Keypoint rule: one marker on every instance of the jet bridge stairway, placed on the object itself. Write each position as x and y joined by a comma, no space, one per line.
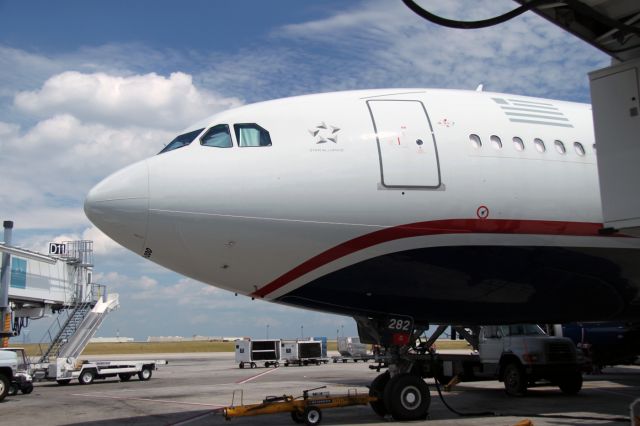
70,337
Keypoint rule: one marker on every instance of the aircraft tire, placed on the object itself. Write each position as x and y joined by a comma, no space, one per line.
377,389
407,397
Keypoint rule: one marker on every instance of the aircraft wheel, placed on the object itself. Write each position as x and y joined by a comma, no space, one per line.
571,384
377,389
312,415
515,380
407,397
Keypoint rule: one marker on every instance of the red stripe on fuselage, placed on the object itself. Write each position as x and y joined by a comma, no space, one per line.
436,227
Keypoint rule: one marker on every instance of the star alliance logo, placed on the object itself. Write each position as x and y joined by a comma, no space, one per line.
325,133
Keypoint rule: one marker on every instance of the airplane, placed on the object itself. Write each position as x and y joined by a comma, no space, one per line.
398,207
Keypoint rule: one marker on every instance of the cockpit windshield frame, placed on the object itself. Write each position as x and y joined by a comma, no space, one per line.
182,140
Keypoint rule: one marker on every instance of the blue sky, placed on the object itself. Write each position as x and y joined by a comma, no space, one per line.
88,87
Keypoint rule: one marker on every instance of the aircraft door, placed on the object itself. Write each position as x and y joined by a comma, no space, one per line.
406,144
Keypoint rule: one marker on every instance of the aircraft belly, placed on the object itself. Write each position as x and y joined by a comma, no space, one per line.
468,284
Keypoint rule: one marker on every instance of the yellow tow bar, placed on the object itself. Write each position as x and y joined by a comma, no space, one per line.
303,409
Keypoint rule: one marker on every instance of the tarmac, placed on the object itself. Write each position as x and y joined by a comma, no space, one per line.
192,386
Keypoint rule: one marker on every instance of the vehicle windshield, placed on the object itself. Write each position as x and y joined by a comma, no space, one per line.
182,140
521,330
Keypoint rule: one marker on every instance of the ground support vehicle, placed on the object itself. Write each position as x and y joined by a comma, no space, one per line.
520,356
22,379
518,359
344,359
8,369
296,352
304,409
251,352
64,370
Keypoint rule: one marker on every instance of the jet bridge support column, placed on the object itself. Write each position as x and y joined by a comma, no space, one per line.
5,308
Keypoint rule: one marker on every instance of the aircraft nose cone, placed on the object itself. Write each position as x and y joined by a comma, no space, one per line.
119,206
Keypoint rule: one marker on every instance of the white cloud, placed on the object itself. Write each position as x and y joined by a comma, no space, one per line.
389,45
140,100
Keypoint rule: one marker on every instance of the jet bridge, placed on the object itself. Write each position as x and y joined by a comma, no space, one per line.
59,283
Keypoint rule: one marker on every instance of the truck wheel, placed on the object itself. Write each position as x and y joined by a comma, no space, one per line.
86,377
63,382
241,365
515,381
27,389
297,416
406,397
124,377
377,389
312,415
570,384
276,364
4,386
13,390
145,374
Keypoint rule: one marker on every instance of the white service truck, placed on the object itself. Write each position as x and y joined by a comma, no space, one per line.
520,356
64,370
22,379
8,370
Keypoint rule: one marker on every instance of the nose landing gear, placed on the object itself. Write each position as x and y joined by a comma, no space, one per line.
401,391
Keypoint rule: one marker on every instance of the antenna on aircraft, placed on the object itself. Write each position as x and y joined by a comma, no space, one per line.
480,87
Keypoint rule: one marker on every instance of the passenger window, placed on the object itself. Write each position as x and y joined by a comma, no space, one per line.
182,140
539,145
217,136
579,148
496,142
518,144
475,141
560,147
249,135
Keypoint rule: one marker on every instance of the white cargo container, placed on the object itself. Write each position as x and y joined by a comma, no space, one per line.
301,352
253,351
351,349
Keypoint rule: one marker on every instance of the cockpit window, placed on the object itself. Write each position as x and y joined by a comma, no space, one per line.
251,135
182,140
217,136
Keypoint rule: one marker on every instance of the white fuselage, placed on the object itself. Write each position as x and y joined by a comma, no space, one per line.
354,181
